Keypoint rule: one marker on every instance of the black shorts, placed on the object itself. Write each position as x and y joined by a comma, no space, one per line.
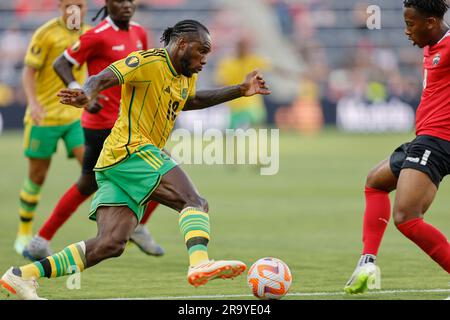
427,154
93,141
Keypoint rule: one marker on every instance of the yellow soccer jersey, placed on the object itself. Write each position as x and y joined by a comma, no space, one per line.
48,42
153,94
233,70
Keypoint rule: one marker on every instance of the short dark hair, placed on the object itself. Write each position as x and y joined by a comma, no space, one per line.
182,27
431,8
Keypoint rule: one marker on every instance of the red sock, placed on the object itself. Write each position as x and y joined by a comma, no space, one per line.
429,239
67,205
148,212
376,218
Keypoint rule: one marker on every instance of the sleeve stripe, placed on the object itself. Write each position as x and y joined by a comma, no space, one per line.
141,65
70,58
117,73
121,76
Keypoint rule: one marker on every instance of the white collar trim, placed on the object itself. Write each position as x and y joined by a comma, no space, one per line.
445,36
111,23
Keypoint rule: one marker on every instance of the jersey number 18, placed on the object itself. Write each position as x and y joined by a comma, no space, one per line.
171,111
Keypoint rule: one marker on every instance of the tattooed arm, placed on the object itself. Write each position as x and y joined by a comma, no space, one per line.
80,98
253,84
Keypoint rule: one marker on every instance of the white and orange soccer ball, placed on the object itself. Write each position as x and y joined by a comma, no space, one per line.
269,278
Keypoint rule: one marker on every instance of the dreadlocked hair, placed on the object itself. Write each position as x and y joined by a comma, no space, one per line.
182,27
431,8
103,9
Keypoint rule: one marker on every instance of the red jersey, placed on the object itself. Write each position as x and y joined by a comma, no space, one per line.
99,47
433,113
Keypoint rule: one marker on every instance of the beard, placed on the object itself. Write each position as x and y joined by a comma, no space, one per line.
185,63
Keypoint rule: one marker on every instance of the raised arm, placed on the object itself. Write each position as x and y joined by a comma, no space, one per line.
253,84
80,98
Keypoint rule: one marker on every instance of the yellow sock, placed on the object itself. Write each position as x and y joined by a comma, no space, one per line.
68,261
29,199
194,225
25,228
30,271
198,256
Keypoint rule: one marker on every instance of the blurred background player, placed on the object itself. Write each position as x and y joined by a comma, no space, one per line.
46,119
113,39
415,169
248,111
156,86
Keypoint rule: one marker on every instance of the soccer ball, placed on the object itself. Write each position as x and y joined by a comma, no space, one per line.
269,278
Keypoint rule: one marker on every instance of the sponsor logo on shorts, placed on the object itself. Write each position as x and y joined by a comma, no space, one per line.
425,157
411,159
164,156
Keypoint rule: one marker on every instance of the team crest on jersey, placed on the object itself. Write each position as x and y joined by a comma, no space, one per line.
76,46
35,50
436,59
184,93
132,61
139,45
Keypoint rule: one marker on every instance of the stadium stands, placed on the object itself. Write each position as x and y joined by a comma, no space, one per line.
322,33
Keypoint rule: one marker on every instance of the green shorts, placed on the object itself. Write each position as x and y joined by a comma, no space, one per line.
41,141
247,117
131,182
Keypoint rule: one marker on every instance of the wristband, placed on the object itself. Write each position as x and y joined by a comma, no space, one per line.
74,85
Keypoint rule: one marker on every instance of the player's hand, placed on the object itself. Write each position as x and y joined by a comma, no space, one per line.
37,113
254,83
94,106
74,97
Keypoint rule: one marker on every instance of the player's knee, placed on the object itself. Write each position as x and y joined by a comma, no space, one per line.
38,176
372,179
377,180
197,202
403,214
111,247
399,217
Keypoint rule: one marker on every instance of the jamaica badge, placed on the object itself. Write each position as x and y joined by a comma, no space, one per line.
184,93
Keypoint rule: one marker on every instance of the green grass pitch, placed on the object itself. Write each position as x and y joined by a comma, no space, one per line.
309,215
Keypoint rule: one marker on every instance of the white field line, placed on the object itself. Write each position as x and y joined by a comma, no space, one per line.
295,294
